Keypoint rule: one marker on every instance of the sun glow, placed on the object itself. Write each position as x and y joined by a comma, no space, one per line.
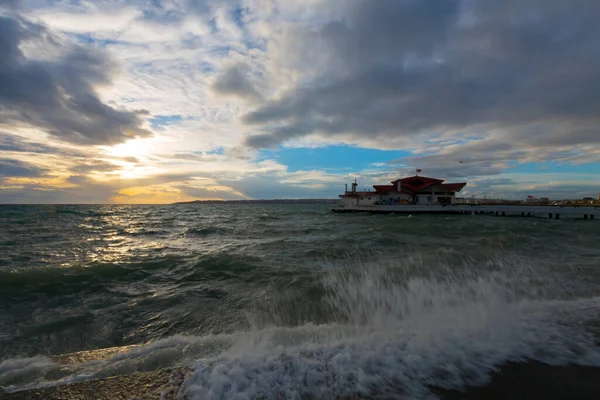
134,158
131,148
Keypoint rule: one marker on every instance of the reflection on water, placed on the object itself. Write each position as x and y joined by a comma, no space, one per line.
80,277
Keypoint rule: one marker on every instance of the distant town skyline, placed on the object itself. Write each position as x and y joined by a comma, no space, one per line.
180,100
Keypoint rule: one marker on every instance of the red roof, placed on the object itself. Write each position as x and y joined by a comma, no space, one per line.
384,188
417,183
454,187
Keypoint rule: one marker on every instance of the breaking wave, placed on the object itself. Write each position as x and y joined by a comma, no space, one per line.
397,337
387,333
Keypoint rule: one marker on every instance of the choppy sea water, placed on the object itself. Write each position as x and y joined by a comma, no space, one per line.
292,301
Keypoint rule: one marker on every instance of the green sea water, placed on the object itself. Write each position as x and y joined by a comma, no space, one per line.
260,300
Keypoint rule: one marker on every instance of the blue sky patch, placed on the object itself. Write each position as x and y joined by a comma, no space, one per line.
89,39
238,16
332,158
218,150
160,121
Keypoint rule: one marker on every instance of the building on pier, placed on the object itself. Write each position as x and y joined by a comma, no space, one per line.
420,190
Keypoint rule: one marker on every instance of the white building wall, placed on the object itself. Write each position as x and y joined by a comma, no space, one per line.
349,201
369,199
423,199
395,197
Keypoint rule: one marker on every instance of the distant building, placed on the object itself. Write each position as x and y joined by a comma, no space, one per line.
412,190
534,200
588,200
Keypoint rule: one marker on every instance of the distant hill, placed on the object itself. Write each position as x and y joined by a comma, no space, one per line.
262,201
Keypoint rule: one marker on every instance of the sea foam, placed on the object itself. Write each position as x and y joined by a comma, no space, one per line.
395,337
390,333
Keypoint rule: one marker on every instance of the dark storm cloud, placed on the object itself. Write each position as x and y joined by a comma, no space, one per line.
402,67
33,193
236,81
16,168
58,96
16,144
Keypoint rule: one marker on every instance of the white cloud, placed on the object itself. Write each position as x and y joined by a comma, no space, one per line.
293,54
92,21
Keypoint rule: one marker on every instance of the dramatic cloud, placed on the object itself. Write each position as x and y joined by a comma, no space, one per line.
399,68
11,143
236,81
18,169
58,96
293,98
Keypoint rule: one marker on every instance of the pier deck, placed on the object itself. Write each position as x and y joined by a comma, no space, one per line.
552,212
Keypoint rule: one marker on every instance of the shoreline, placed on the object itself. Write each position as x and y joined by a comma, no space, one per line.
159,384
530,380
261,201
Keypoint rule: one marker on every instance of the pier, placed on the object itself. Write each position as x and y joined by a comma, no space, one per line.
549,212
424,195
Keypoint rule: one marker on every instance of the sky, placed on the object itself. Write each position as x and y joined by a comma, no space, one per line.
126,101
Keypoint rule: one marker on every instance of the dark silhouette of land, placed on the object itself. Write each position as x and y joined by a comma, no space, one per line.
262,201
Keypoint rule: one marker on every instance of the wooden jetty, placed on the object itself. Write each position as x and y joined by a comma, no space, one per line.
551,212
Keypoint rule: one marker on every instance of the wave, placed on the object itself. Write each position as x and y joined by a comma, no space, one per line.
206,231
395,336
58,279
268,217
143,232
389,333
43,371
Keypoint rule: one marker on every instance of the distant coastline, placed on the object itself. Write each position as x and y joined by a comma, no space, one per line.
262,201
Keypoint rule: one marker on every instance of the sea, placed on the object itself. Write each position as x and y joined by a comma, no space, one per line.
292,301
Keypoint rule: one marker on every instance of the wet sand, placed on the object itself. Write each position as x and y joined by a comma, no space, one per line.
89,355
531,381
162,384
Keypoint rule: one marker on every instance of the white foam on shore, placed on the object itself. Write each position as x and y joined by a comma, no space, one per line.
392,333
397,339
40,371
